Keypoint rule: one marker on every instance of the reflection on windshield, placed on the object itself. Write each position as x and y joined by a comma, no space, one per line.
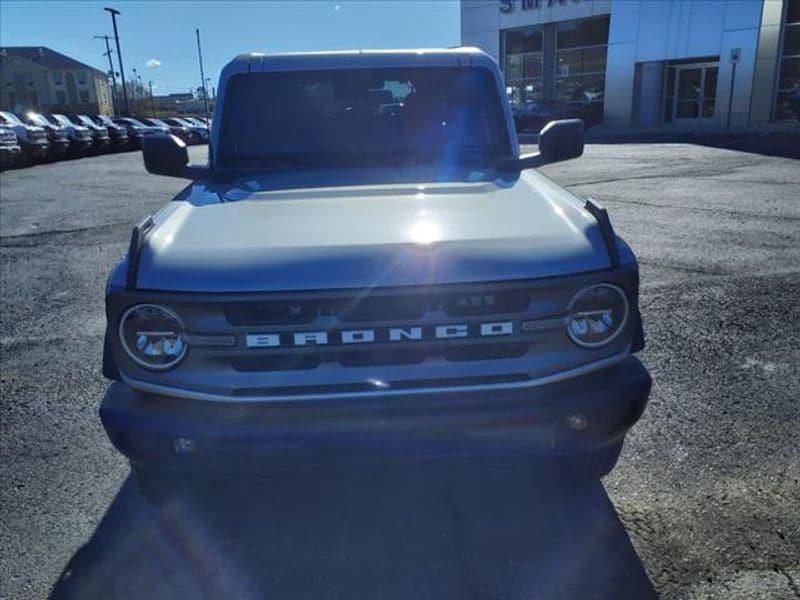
356,117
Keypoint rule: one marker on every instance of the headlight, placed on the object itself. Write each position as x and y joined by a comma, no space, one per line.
597,315
153,336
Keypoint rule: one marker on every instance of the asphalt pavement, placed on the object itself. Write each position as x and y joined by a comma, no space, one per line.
704,502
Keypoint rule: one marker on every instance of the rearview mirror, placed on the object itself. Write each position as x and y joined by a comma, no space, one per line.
558,140
165,155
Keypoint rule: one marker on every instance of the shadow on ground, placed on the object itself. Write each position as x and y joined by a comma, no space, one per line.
455,531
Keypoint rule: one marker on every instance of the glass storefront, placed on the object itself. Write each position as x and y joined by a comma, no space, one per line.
690,90
563,62
788,96
523,65
581,61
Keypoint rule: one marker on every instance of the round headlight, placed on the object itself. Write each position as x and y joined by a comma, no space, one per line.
597,315
153,336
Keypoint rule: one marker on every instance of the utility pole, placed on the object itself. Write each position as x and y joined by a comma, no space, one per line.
114,14
202,74
136,92
152,101
205,97
111,70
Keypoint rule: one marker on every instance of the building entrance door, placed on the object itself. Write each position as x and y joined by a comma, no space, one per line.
695,92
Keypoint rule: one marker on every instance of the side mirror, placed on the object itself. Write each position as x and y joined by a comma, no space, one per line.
165,155
561,140
558,140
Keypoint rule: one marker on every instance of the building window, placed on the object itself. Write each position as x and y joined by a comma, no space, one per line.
787,101
581,48
523,65
84,96
82,77
58,78
61,97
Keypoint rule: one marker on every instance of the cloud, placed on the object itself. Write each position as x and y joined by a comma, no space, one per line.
152,63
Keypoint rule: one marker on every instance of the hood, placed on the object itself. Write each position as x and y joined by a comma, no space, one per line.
233,239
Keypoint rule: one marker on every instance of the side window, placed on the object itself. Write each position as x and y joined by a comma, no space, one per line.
321,98
58,78
82,77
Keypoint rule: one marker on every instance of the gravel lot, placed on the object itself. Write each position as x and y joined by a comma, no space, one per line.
708,486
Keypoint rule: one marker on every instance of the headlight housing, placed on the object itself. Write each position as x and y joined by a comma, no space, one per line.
153,336
597,315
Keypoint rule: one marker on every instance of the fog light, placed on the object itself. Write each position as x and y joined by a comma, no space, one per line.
578,422
183,445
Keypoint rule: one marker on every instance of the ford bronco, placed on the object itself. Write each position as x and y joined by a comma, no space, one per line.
367,268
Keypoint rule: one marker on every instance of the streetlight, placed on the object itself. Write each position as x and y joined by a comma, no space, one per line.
114,14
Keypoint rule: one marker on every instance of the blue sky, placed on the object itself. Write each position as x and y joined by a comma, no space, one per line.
158,38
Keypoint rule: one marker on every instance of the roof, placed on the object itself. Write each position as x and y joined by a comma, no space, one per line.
47,58
459,56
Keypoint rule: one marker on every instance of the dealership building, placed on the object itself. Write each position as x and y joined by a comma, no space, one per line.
686,64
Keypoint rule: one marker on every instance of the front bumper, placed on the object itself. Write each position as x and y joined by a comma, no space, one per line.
9,154
58,147
258,437
80,144
36,149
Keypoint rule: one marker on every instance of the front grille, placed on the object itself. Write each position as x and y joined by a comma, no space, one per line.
418,312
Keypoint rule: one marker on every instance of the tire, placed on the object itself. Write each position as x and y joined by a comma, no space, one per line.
588,466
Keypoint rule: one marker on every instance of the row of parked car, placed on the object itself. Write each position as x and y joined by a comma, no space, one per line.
26,139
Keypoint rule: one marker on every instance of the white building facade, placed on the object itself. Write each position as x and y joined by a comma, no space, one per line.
652,63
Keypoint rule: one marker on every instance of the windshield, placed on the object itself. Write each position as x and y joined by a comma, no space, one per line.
155,122
62,119
37,119
11,118
443,116
86,120
134,122
104,119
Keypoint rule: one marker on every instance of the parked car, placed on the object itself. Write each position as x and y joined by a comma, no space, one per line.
120,134
138,130
31,138
181,131
117,134
101,140
80,136
199,133
57,135
10,150
352,286
197,121
535,114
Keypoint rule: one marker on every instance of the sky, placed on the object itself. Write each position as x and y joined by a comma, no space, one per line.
158,38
